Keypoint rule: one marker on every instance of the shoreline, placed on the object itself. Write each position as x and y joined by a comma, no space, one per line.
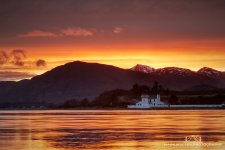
105,108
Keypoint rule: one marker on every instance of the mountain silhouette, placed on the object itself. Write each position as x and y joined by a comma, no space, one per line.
79,80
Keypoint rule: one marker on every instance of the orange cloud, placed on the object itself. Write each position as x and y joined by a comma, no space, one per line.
77,32
117,30
14,76
38,33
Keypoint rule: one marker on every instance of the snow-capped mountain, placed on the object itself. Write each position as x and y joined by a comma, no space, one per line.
209,72
205,71
173,71
143,68
162,71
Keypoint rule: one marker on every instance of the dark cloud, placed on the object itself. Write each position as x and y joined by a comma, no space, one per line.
18,57
41,63
15,57
3,57
12,76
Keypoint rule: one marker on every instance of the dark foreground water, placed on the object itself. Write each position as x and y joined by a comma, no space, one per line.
112,129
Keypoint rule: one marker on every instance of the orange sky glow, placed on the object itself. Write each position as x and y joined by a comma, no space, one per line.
123,34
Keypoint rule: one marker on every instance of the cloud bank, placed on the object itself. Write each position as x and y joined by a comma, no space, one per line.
14,76
71,32
18,58
15,57
37,33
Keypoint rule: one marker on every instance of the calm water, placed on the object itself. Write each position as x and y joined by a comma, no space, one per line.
112,129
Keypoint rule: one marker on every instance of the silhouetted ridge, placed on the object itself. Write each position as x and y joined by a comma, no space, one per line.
81,80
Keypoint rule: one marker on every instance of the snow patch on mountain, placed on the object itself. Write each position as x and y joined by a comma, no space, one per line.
206,71
162,71
143,68
174,71
209,72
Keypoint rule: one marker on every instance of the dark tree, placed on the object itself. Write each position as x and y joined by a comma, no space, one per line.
155,88
167,91
173,100
70,104
136,89
161,89
145,89
84,102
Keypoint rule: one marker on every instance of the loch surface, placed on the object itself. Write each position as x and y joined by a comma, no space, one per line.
112,129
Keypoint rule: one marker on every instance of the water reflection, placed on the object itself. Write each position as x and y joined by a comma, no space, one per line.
110,129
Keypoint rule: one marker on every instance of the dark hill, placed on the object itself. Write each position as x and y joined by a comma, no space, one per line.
78,80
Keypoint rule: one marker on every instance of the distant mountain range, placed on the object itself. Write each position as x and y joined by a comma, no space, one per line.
78,80
205,71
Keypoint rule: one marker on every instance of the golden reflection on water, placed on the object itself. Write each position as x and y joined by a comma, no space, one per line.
111,129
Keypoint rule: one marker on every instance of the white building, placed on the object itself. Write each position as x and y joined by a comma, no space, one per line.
147,102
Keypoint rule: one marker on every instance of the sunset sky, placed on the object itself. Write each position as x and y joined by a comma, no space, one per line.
37,35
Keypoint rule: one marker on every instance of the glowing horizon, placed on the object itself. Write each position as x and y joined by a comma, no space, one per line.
122,34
